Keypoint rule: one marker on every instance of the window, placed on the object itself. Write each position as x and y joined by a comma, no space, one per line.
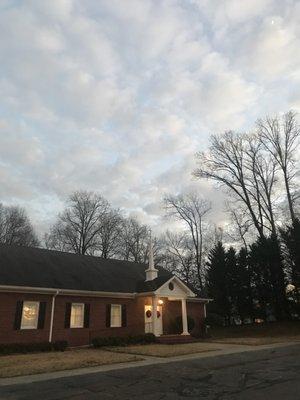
77,315
115,316
30,315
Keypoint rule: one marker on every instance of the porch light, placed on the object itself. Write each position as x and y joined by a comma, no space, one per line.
160,302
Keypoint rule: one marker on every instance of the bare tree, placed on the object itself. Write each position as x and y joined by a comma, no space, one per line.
56,239
79,226
243,164
239,163
262,172
240,225
16,228
110,233
224,163
134,241
280,137
191,210
179,255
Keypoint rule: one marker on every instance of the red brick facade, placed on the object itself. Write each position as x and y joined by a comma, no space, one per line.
172,309
97,321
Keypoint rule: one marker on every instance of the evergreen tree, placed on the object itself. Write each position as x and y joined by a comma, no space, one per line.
291,240
244,290
231,280
216,278
268,277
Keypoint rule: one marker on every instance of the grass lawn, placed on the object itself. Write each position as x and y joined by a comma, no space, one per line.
28,364
256,341
258,334
166,350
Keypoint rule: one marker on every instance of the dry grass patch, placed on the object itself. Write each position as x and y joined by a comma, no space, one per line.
257,334
28,364
166,350
265,330
257,341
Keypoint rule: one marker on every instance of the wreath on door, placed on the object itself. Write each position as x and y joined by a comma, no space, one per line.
149,314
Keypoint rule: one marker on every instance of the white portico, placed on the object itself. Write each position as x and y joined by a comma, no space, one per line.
174,290
171,290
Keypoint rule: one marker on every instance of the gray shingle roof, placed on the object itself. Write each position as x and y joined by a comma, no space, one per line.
33,267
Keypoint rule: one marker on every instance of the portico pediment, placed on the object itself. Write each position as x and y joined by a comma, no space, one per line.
175,288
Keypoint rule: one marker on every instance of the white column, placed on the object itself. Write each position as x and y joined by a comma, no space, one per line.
154,315
184,318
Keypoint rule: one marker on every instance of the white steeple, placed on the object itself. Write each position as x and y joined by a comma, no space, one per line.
151,272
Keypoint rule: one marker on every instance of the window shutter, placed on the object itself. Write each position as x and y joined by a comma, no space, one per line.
124,315
86,323
18,314
108,311
42,315
68,315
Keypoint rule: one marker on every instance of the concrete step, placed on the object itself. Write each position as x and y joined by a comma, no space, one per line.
175,339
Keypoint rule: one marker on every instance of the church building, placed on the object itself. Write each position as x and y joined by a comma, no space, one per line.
51,296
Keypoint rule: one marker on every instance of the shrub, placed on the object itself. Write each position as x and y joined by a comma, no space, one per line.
24,348
123,341
141,339
59,345
213,319
108,341
149,338
100,341
177,325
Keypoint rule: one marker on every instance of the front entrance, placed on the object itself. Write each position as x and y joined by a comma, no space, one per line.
148,320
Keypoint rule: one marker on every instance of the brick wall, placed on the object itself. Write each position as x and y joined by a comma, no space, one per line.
74,336
97,325
172,309
8,334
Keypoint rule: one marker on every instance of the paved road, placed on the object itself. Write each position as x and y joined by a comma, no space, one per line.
272,374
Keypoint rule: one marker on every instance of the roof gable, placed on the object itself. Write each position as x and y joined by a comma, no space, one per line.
174,287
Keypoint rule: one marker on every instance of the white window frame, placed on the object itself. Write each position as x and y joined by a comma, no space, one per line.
82,323
35,324
119,306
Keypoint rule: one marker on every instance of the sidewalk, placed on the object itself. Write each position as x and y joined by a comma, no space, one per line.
147,360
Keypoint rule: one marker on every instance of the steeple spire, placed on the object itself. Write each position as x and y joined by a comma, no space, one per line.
151,272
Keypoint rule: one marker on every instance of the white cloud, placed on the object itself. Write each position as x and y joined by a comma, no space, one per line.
118,96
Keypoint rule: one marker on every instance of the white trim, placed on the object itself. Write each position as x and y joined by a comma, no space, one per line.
68,292
71,292
199,300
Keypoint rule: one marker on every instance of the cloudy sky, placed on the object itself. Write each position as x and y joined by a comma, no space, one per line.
116,96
